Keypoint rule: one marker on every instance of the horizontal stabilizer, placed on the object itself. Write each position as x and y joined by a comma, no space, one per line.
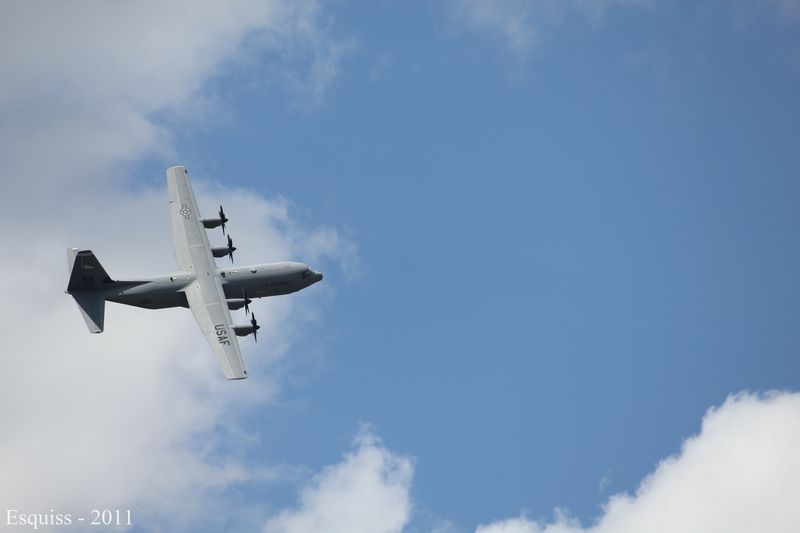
93,307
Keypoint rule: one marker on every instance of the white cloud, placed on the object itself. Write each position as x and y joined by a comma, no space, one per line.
367,492
135,416
83,82
508,21
740,474
519,25
788,10
138,417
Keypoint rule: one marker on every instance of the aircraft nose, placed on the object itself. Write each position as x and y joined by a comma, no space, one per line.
317,276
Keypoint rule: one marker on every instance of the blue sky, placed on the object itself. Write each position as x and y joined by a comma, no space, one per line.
575,228
568,257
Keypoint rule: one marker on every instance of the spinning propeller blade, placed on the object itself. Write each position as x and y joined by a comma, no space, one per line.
247,301
255,325
223,219
231,248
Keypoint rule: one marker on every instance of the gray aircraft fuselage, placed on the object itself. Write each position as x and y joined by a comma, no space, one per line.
271,279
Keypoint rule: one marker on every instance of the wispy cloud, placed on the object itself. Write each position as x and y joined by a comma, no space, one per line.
788,10
520,26
307,53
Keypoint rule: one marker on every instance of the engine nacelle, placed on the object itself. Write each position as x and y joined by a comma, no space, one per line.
209,223
221,251
243,331
252,329
236,303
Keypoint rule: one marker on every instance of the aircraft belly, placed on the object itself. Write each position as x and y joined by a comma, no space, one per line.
257,289
275,291
151,298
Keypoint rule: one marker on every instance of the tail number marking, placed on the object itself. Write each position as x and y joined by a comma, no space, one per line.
222,334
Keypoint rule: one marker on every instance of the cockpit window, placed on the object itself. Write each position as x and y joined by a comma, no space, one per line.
306,273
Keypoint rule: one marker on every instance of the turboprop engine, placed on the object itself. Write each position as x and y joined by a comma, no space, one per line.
253,328
222,251
209,223
238,303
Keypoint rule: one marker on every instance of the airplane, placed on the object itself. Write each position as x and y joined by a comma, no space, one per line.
199,284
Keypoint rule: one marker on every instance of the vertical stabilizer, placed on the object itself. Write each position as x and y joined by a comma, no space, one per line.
87,281
86,272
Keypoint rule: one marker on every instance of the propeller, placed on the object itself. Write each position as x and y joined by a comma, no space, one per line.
255,325
231,248
247,301
223,219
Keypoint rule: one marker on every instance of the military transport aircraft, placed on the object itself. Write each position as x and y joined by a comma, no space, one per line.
210,292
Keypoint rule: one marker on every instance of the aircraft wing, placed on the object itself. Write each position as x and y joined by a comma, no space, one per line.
189,238
208,305
205,295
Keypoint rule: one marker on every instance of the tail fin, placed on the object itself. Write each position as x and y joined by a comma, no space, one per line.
86,272
86,281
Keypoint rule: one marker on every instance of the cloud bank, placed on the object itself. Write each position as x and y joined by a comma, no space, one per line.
740,474
92,84
139,416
